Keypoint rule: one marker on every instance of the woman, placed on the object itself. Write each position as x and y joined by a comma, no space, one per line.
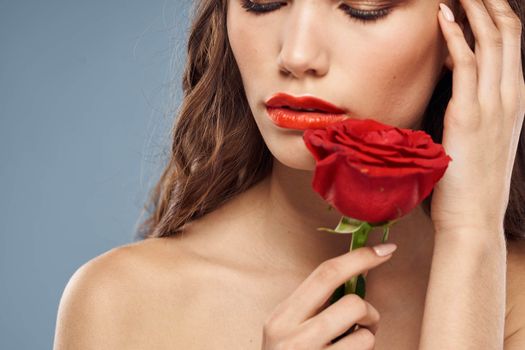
232,258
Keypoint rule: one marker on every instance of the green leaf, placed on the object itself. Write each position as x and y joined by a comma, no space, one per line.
386,229
351,221
328,230
349,225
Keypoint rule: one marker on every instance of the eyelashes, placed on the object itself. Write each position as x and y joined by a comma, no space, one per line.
261,8
363,16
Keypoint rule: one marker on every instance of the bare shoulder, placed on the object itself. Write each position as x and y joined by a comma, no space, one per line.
515,310
114,293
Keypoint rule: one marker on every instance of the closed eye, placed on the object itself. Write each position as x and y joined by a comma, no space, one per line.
356,14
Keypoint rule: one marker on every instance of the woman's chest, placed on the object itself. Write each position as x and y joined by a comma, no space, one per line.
232,317
242,329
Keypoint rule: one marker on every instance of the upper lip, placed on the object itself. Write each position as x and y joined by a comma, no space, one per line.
282,99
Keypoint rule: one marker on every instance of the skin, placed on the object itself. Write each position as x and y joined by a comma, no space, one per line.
287,50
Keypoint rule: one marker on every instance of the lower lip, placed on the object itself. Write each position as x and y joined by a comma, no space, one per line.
291,119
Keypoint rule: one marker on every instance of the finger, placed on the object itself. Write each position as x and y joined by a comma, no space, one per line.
360,339
338,318
510,27
464,67
489,53
315,290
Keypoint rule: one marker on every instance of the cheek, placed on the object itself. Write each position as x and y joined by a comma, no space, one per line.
247,42
398,73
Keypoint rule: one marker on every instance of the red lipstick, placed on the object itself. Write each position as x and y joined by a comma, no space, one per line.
304,112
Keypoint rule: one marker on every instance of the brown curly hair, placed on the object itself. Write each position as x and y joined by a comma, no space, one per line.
218,152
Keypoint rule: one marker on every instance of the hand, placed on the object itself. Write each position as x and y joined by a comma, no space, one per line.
297,324
483,119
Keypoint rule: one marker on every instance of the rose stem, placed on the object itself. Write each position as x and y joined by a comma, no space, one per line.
359,239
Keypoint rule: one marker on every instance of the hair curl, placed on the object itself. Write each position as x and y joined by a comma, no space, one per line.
218,152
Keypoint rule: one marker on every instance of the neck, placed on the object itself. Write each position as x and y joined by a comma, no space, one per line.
292,211
274,224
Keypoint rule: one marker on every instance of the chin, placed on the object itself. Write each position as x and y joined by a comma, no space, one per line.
291,151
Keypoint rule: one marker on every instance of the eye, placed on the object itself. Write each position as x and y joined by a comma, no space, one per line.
357,14
258,9
364,15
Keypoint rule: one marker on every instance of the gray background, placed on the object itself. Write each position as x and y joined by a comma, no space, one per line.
87,90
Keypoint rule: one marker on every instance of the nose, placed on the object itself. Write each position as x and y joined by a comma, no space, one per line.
304,48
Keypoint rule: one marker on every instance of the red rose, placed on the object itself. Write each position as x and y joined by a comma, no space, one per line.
374,172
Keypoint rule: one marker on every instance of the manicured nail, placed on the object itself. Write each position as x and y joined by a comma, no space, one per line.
447,12
385,249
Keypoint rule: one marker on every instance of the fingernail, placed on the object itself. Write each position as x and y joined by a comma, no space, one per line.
447,12
385,249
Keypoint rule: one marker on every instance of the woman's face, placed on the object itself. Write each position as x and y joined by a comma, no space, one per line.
384,69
